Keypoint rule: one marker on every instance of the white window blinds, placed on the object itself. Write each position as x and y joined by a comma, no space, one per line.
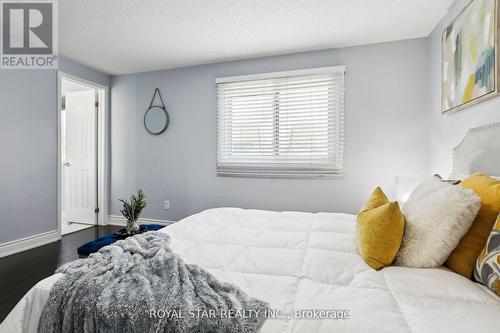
281,124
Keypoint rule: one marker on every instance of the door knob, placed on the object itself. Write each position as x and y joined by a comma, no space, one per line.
66,164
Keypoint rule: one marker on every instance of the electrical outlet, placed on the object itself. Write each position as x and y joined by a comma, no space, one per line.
166,204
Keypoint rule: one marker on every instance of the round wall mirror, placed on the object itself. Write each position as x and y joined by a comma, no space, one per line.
156,120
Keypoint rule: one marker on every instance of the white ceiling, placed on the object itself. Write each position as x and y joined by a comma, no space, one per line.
126,36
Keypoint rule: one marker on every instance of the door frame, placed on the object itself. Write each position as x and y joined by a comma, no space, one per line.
102,149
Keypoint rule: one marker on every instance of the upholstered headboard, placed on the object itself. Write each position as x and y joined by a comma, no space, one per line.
478,151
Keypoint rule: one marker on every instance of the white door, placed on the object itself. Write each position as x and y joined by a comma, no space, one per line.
79,164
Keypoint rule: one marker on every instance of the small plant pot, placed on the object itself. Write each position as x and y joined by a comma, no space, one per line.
123,233
132,227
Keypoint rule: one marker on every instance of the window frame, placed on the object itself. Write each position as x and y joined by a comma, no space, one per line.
276,75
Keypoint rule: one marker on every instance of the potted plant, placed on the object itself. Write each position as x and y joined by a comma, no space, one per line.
132,209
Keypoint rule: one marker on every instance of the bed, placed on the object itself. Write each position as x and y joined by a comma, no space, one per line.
303,261
300,262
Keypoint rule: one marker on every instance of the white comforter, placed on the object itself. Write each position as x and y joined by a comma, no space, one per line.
309,261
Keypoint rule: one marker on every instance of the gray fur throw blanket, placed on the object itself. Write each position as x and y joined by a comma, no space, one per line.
140,285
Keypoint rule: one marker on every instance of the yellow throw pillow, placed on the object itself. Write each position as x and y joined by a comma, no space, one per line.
462,260
380,228
377,199
488,261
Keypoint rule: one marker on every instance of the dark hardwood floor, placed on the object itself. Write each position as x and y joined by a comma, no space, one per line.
21,271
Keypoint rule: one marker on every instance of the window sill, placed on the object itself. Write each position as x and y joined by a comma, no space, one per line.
284,176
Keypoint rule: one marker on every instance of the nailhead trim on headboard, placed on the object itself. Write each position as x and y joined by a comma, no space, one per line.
469,132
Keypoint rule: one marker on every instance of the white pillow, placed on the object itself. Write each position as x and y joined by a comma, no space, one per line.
437,216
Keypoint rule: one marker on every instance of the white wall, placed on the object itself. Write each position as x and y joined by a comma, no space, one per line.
386,131
446,131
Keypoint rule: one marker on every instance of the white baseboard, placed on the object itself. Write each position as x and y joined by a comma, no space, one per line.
28,243
121,221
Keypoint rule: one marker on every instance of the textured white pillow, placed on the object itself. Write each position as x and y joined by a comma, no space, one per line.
437,216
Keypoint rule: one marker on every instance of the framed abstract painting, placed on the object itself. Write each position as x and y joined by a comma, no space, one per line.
470,56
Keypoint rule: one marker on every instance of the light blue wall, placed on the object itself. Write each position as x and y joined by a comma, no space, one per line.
446,131
393,126
386,131
28,149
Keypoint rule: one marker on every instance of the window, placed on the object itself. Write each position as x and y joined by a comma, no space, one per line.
281,124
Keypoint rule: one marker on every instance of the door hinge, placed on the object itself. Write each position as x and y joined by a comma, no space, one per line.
96,104
96,210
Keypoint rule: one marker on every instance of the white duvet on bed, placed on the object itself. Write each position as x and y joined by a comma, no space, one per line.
309,261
